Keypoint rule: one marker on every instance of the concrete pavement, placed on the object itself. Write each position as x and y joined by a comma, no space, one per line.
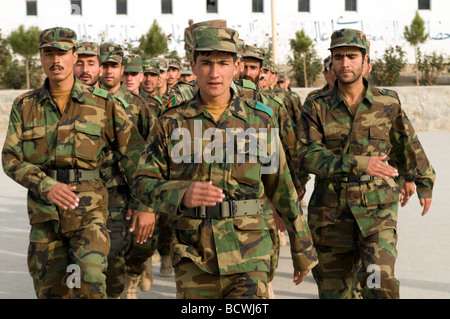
422,266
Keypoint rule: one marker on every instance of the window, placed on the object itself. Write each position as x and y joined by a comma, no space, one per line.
350,5
258,6
121,7
166,6
32,8
211,6
303,5
424,5
75,7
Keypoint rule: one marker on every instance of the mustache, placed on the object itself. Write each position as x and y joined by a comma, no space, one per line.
56,67
83,74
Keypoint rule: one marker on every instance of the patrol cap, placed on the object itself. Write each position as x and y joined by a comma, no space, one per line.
60,38
208,23
240,47
215,39
111,52
150,66
348,38
282,77
251,51
174,63
132,63
88,48
186,69
163,64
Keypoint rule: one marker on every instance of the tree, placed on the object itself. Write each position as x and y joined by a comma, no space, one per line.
154,42
386,71
300,46
25,43
415,34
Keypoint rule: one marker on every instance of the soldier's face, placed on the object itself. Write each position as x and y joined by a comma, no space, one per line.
162,81
58,64
132,80
252,70
87,69
214,74
150,82
112,72
173,75
348,64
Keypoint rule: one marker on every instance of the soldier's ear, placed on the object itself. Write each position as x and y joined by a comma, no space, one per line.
192,63
75,57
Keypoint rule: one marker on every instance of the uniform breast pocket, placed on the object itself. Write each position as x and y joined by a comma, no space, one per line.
334,138
88,141
378,139
246,167
34,144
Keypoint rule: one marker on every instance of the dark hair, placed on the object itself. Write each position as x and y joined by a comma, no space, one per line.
208,53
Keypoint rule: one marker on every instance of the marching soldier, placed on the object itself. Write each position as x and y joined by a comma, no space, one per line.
357,140
59,136
222,246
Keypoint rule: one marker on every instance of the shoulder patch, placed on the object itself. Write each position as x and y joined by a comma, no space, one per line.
264,108
100,92
248,84
122,100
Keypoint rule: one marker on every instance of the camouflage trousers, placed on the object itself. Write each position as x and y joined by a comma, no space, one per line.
194,283
120,237
363,269
68,258
161,240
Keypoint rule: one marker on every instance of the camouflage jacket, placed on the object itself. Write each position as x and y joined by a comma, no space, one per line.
41,138
169,166
336,143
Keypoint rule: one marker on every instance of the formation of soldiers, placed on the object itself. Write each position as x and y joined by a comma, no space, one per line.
111,182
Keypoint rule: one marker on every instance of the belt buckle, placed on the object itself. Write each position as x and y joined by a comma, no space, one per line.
77,175
62,175
233,209
214,211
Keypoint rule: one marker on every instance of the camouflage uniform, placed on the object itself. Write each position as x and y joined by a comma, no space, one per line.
188,45
119,193
215,243
43,148
353,216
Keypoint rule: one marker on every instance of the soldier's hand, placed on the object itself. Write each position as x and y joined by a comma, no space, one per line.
144,224
63,196
377,167
425,203
299,276
202,194
408,189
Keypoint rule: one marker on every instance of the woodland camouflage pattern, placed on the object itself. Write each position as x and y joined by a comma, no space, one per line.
242,243
41,138
60,38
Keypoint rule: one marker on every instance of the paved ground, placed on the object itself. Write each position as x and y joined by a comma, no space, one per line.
422,266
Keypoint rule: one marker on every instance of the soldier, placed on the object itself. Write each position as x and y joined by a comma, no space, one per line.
186,74
88,67
188,41
221,247
357,140
173,73
121,205
132,73
58,138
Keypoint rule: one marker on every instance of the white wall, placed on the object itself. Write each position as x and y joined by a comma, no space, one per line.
383,21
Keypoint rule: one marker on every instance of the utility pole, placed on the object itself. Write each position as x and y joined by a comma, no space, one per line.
274,32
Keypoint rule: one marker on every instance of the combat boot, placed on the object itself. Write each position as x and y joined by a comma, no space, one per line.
147,276
166,269
131,283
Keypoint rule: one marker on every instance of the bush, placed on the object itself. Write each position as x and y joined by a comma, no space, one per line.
385,71
430,66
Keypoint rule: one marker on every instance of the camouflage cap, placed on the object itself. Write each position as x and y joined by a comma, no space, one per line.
348,38
251,51
174,63
209,23
186,69
163,64
150,66
132,63
111,52
88,48
327,62
61,38
240,47
270,65
215,39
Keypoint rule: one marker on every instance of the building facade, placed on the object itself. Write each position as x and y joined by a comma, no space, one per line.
124,21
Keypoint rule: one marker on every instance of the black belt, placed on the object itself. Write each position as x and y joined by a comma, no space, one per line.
226,209
73,174
353,178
